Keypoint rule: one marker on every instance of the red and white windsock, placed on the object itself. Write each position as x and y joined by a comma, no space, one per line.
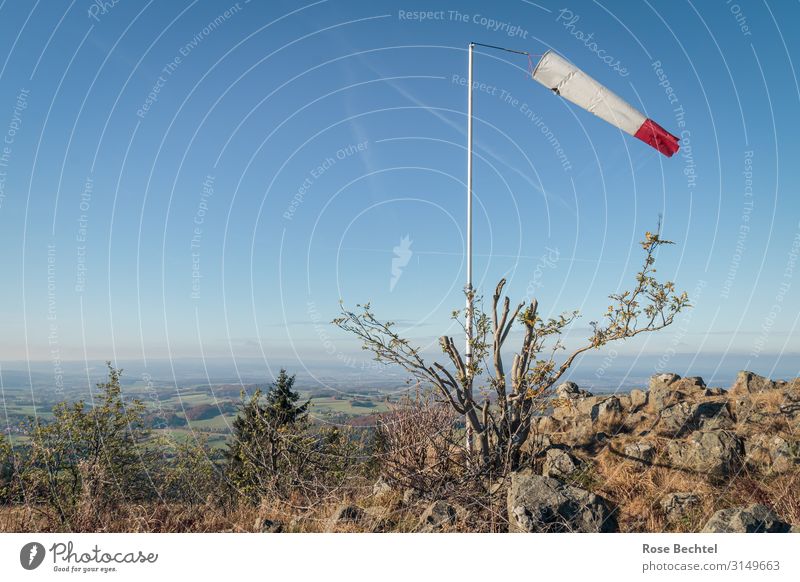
567,80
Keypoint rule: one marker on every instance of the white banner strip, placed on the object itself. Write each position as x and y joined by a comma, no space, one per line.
354,557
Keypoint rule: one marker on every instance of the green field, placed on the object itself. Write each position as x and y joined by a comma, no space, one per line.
165,404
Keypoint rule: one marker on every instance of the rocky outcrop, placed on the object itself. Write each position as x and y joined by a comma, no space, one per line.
542,504
751,519
684,417
750,383
559,463
642,451
571,391
590,413
679,425
638,400
668,389
717,453
771,453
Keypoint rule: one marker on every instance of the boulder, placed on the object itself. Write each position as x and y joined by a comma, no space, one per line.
678,505
750,383
345,515
438,516
638,399
577,432
712,415
715,452
770,453
642,451
638,423
684,417
600,409
542,504
659,389
544,425
666,389
751,519
559,463
537,444
571,391
674,420
591,409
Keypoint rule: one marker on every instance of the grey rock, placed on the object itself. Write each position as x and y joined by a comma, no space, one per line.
638,399
659,389
588,409
542,504
559,463
639,422
600,408
750,383
666,389
684,417
717,453
678,505
642,451
750,519
771,453
571,391
537,444
578,432
439,515
674,420
544,425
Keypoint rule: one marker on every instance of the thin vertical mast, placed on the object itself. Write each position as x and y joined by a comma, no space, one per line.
468,288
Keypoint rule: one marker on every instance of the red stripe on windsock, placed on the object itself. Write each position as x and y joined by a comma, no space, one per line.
654,135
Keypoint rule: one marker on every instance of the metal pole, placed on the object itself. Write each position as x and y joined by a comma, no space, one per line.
468,288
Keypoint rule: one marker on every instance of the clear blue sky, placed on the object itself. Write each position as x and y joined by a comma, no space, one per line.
196,182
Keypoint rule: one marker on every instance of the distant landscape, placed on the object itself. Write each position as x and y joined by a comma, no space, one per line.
208,405
177,410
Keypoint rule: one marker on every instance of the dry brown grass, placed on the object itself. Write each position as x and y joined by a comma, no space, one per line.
636,489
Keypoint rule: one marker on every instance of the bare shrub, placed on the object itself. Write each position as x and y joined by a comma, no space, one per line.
418,445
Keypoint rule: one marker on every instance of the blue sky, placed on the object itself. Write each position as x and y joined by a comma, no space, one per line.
208,179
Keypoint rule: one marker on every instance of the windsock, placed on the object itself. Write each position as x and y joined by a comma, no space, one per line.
567,80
